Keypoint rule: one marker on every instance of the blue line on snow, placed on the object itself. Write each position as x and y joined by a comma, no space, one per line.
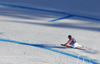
40,46
49,11
61,18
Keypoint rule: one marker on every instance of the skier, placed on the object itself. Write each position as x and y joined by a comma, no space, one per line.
72,43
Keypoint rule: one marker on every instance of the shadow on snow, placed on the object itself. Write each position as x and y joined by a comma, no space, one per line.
61,25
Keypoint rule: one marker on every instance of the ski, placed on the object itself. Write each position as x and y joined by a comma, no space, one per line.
86,49
72,47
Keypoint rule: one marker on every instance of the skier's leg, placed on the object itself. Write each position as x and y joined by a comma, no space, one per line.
76,45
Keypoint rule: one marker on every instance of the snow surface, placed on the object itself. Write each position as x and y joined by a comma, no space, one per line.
33,26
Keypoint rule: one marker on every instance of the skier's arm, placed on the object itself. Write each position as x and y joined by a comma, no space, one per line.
68,42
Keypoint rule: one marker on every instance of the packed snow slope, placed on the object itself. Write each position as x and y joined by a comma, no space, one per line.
28,21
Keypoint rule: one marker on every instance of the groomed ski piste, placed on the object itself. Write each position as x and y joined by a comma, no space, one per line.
31,31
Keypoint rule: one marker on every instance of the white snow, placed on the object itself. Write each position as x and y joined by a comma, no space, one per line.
33,26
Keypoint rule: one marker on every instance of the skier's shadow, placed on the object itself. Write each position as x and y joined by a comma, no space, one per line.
44,45
49,46
62,47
